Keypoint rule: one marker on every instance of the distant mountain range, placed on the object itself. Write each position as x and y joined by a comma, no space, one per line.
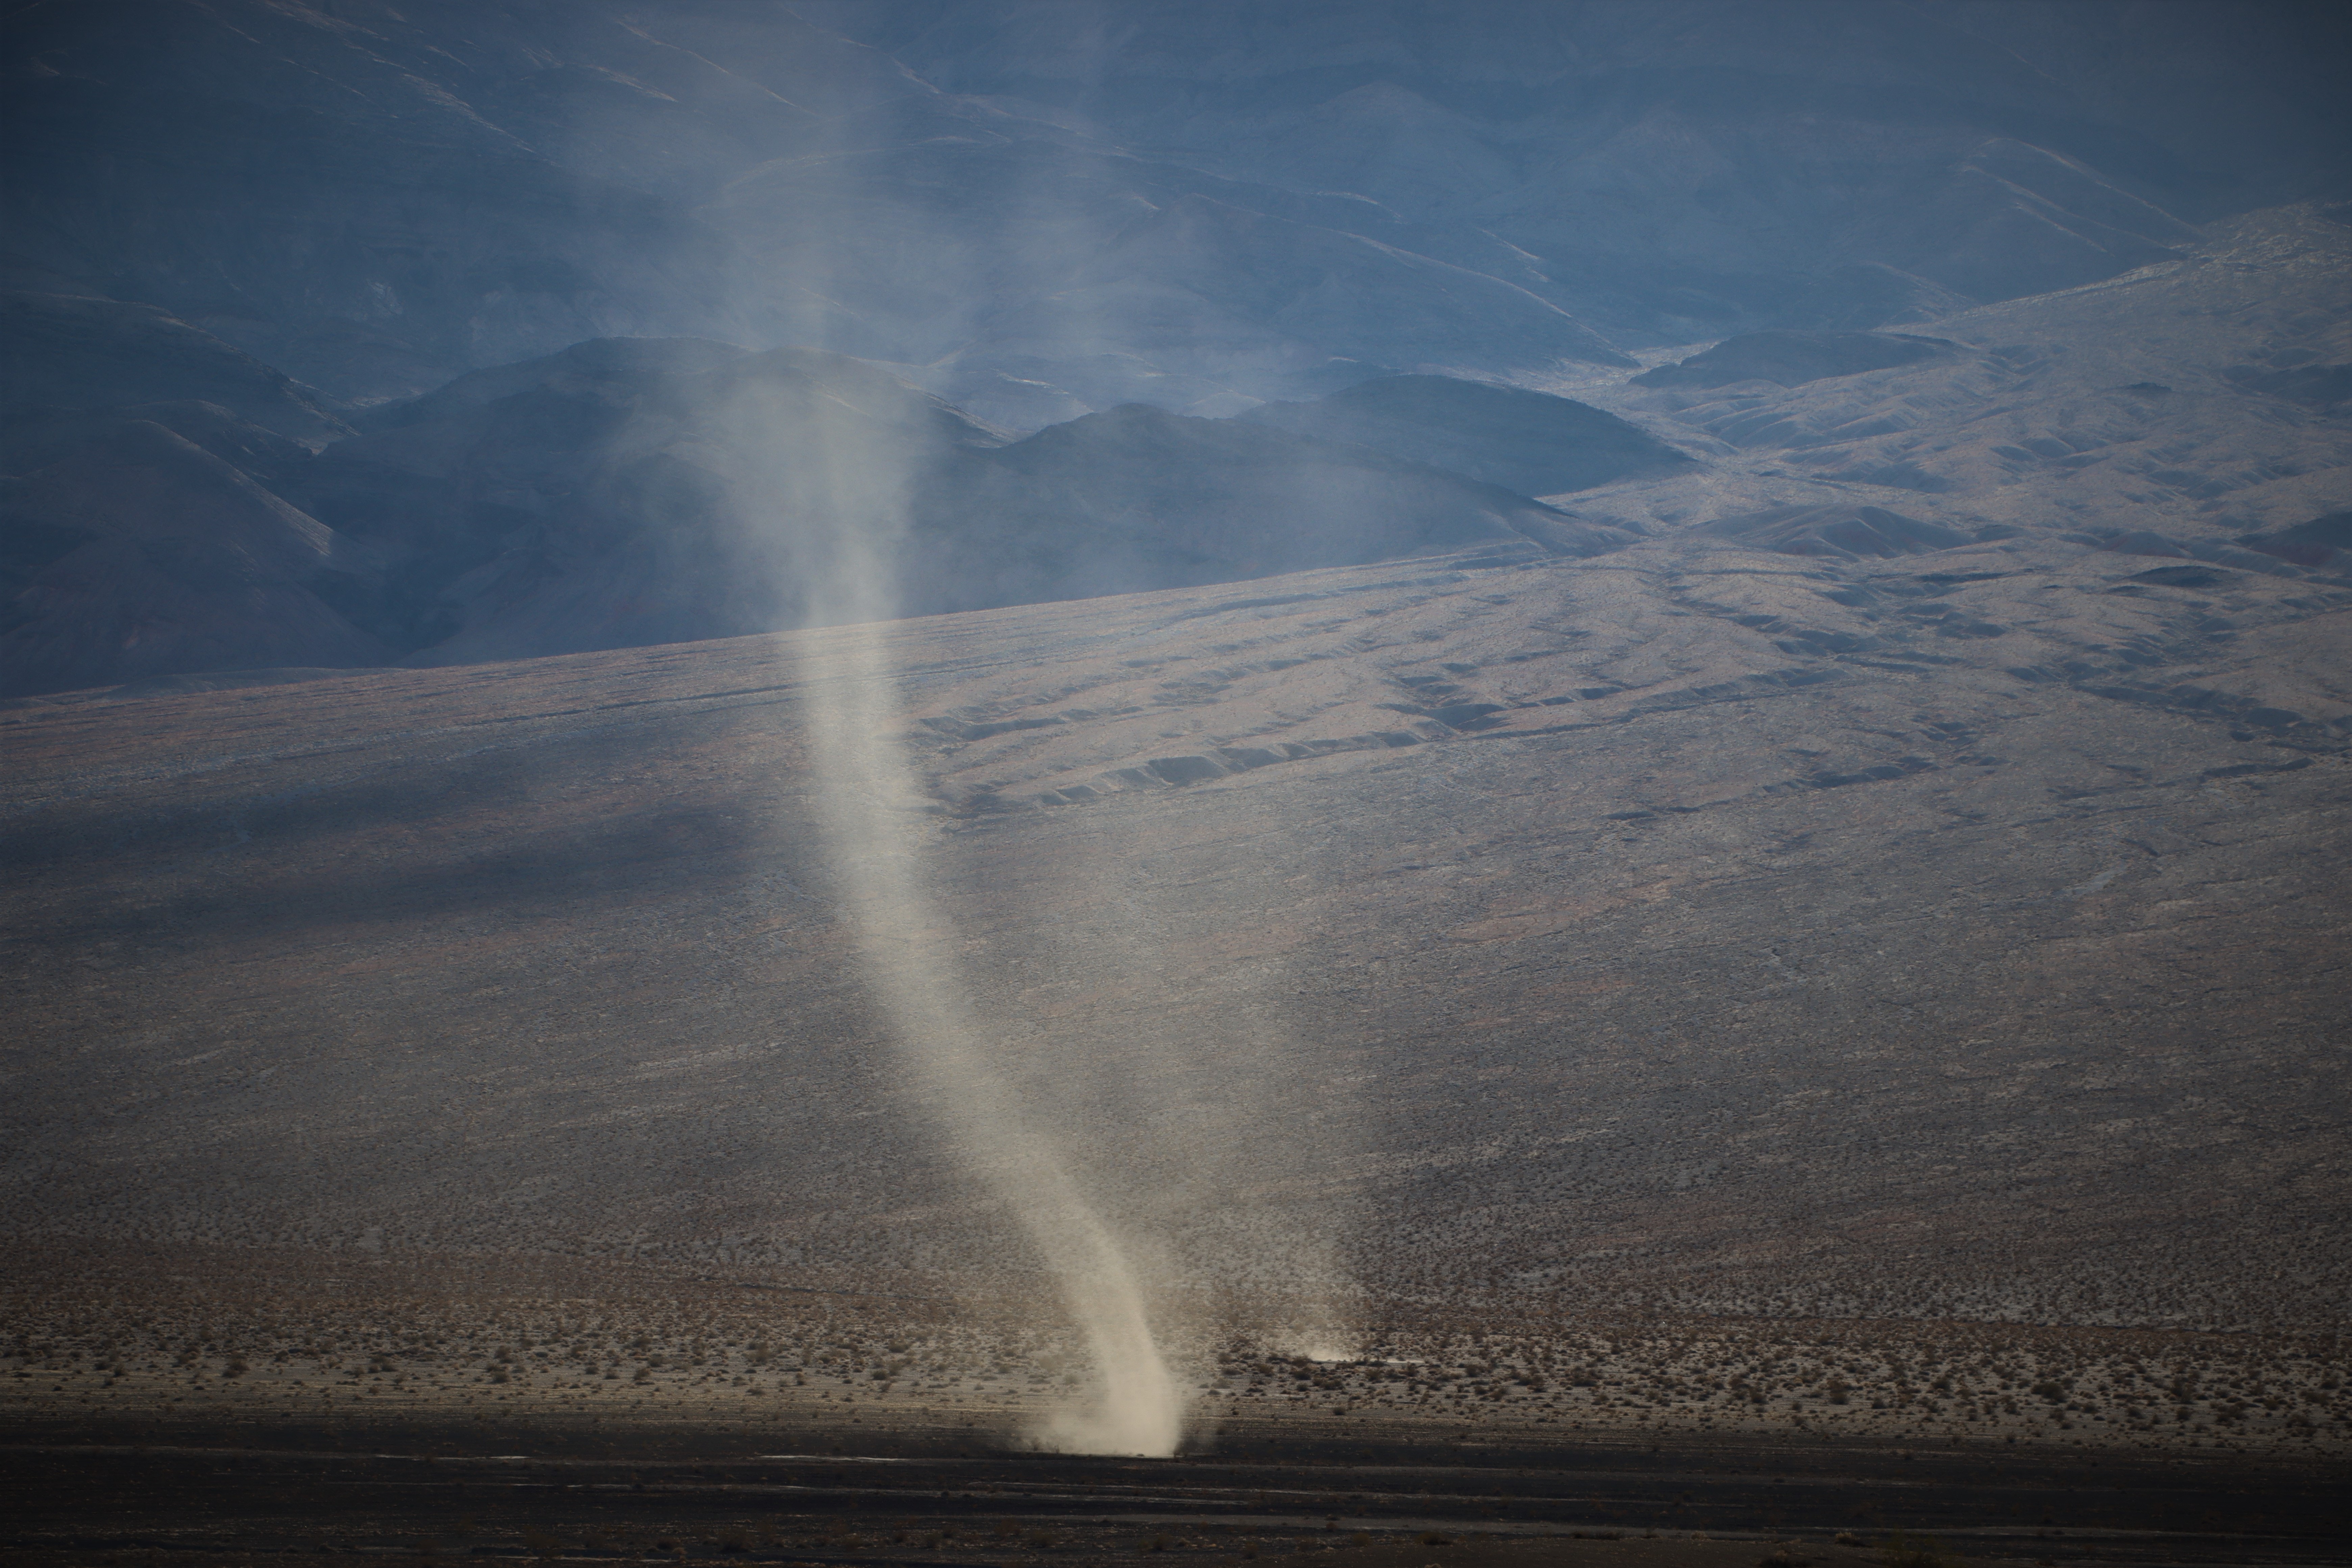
339,336
629,491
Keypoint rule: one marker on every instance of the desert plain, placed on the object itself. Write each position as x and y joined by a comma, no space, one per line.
1627,727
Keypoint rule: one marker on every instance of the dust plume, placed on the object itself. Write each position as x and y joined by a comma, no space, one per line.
1141,1179
880,835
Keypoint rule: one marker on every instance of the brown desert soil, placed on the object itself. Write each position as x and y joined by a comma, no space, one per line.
1691,1041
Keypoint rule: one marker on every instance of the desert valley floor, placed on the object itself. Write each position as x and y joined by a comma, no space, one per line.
1641,1006
1824,1016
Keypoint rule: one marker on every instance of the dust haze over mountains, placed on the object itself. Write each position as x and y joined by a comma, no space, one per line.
1689,656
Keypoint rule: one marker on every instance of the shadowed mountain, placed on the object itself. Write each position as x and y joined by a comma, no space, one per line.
1526,441
1138,497
276,462
144,555
61,352
1792,359
378,203
120,610
1693,169
2319,385
624,495
633,492
2324,542
1031,280
144,480
1140,200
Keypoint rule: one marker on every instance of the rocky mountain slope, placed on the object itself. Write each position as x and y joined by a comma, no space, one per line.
2148,405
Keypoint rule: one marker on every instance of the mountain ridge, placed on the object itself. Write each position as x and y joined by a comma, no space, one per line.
659,468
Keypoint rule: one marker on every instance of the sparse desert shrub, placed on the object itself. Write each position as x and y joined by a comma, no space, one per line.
1901,1551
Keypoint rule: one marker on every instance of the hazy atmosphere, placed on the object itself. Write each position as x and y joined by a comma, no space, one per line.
1517,782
